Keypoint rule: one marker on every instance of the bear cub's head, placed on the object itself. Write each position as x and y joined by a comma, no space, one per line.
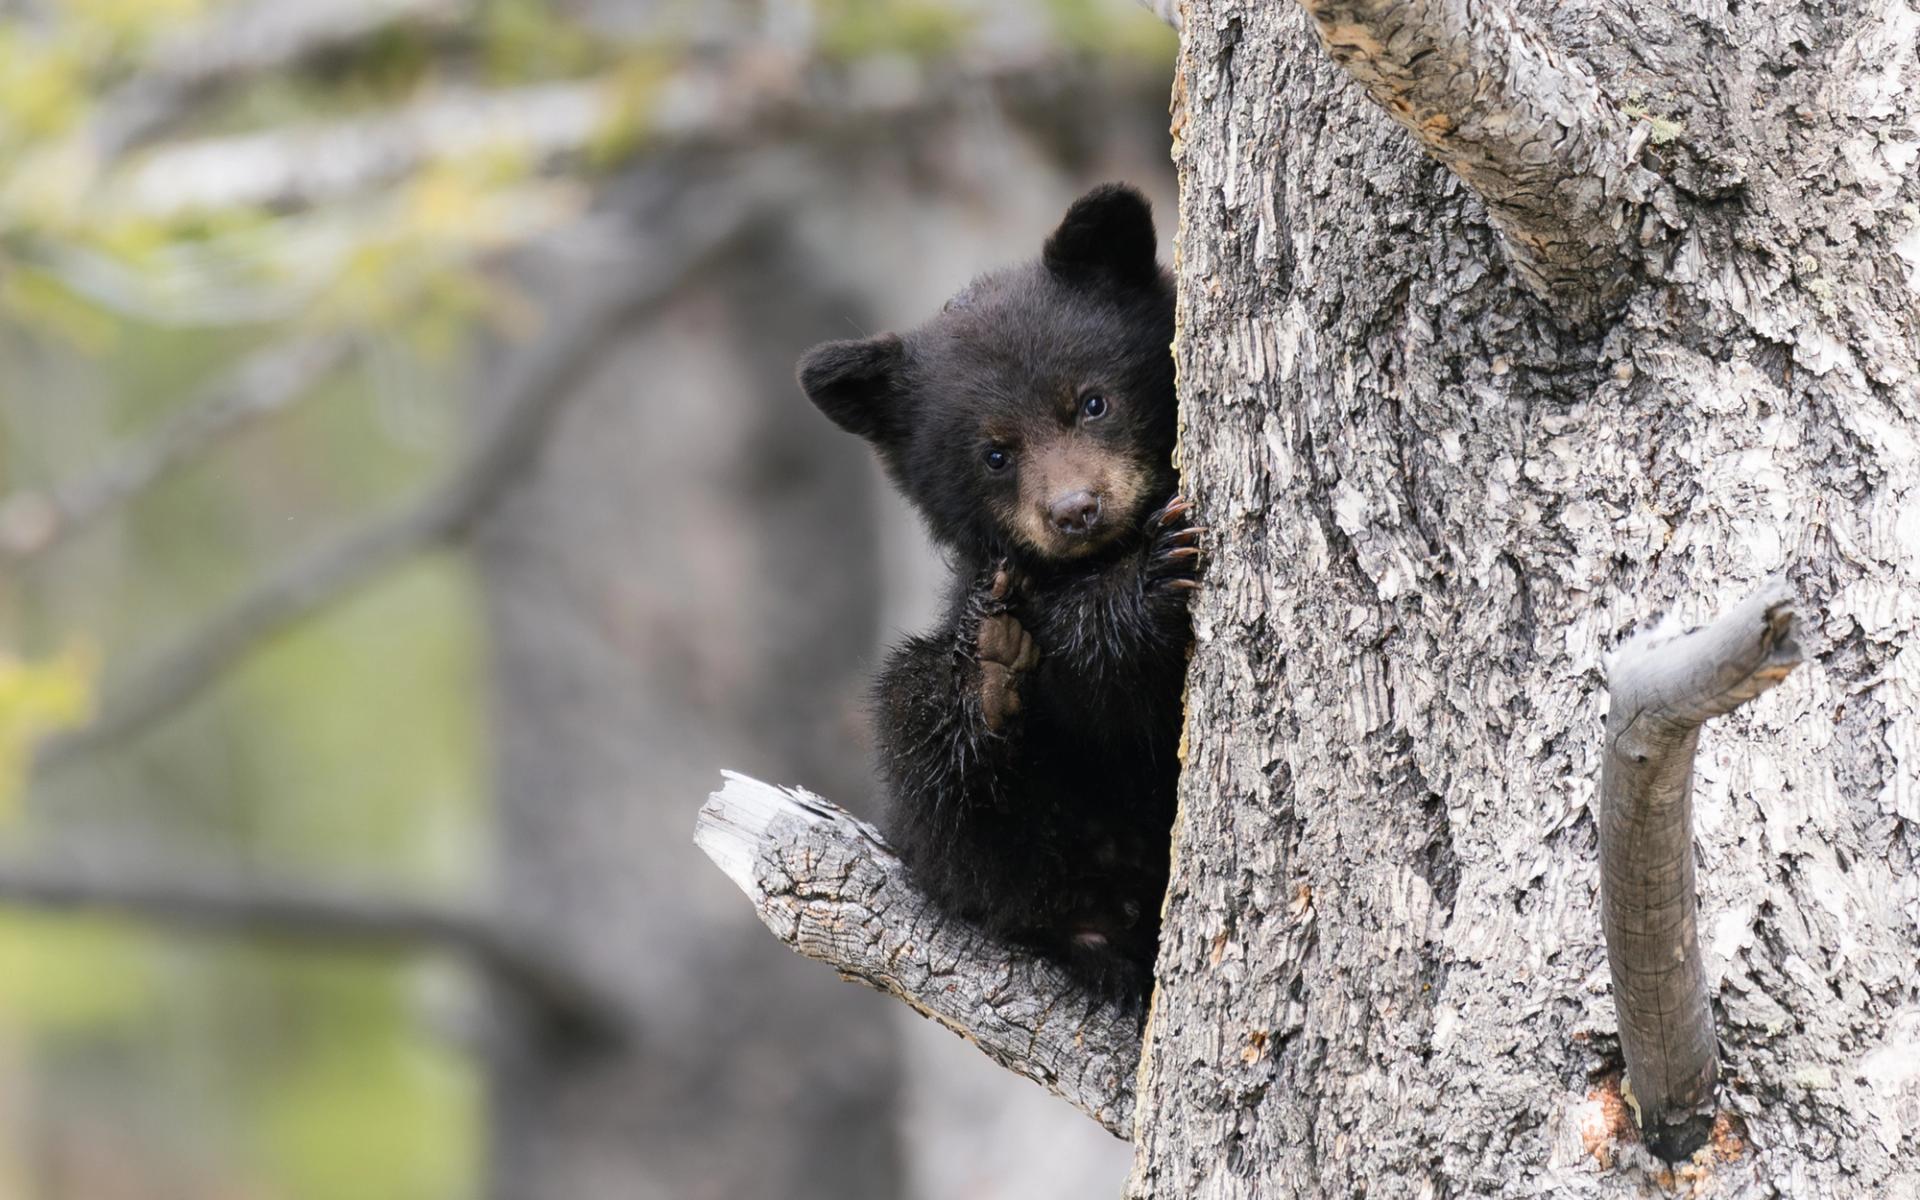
1034,416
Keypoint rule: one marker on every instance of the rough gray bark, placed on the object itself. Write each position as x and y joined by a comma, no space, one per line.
1661,690
1438,506
828,885
1549,153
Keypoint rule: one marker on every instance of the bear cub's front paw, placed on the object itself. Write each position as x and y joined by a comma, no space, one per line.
1173,555
1006,652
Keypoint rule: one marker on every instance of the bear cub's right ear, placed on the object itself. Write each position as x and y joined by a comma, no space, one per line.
1106,236
856,383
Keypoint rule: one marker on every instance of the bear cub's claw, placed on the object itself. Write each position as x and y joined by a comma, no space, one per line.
1006,651
1173,563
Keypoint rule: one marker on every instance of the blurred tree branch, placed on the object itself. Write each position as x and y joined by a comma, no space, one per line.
704,109
534,383
713,102
244,41
249,905
300,167
828,886
33,521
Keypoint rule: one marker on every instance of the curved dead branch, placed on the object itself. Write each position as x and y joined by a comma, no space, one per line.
1662,690
1522,123
829,887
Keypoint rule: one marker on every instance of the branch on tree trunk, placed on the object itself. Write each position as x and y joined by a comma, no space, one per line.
1662,690
221,902
32,522
534,385
1523,124
829,887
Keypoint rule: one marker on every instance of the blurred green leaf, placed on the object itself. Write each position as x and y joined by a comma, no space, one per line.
61,974
38,698
917,28
364,1108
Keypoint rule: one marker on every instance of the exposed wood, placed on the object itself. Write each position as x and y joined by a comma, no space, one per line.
828,886
1662,690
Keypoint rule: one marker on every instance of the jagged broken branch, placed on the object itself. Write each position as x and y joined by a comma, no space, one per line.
828,886
1521,122
1662,690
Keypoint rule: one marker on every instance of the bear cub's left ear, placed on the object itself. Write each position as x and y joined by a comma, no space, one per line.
1107,234
856,383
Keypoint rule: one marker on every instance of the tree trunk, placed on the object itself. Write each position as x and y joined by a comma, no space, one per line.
682,473
1448,474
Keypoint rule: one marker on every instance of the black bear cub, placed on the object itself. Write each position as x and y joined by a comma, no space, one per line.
1030,744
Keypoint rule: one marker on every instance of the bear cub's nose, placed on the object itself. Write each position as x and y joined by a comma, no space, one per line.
1075,512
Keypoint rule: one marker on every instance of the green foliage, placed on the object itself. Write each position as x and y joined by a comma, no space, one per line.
38,698
39,298
364,1109
60,975
351,745
42,88
375,703
851,29
525,40
76,241
1103,28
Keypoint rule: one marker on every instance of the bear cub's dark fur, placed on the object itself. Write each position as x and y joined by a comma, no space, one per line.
1029,744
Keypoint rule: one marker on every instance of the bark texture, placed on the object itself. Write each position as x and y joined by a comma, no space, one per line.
1438,506
1549,152
828,885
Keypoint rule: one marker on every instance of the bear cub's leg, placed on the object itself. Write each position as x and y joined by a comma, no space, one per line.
1006,652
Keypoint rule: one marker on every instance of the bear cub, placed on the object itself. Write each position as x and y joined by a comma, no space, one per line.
1029,745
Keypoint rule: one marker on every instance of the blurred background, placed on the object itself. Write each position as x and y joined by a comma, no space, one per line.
405,513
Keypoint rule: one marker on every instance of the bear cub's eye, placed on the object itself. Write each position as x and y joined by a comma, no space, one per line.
998,459
1093,406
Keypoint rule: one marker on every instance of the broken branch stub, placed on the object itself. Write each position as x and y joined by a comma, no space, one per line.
1662,690
828,886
